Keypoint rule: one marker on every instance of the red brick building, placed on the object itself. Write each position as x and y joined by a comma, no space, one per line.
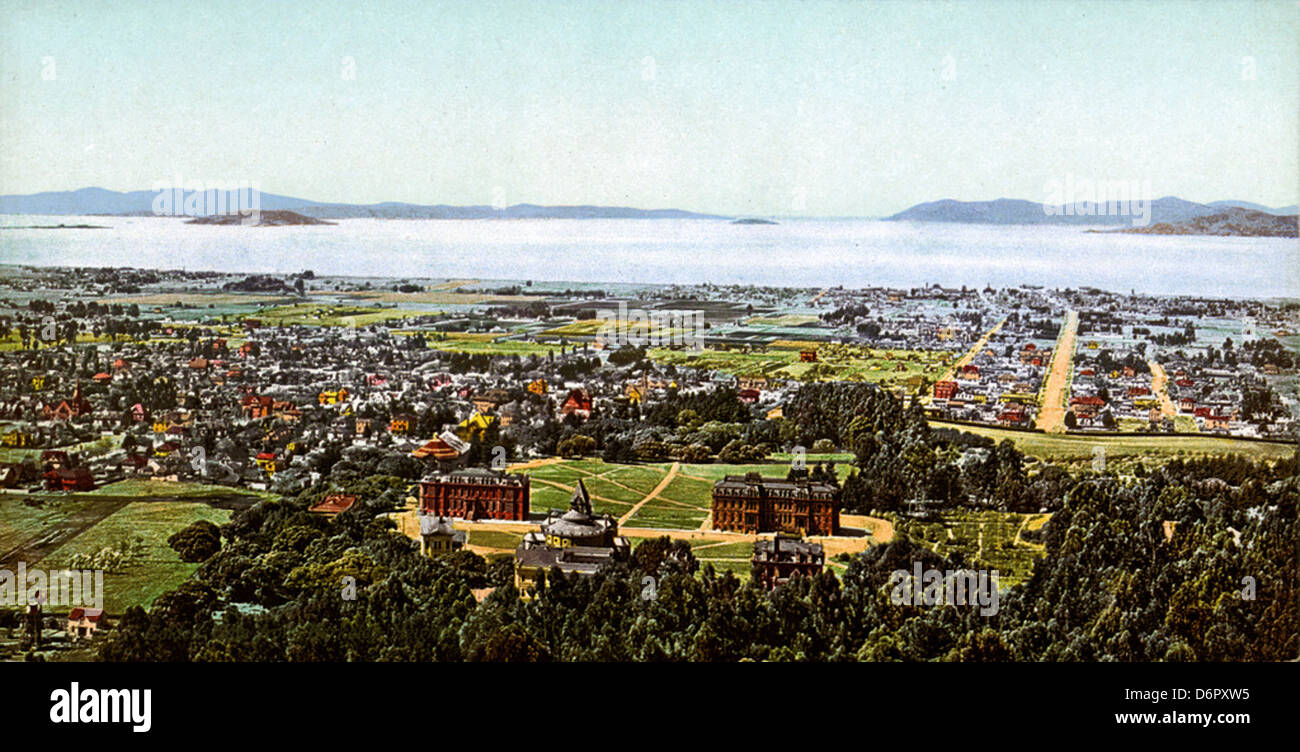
776,561
750,503
945,389
475,494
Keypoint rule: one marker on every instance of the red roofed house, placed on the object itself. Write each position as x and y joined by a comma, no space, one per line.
84,622
68,409
577,403
255,406
1012,417
333,505
70,479
1087,405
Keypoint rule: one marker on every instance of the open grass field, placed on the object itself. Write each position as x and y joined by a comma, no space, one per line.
834,362
782,320
159,489
478,344
441,297
984,540
199,299
46,530
324,314
159,569
20,522
683,504
1075,447
47,536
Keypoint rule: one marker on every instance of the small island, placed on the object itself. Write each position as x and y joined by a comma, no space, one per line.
273,218
55,227
753,221
1235,221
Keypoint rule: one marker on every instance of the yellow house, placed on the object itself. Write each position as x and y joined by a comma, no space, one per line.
538,387
633,393
333,397
17,438
475,424
266,461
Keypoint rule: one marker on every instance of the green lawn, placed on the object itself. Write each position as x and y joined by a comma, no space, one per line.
834,362
1075,447
20,522
160,570
495,538
682,505
710,550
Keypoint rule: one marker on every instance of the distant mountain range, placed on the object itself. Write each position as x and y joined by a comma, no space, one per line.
1010,211
99,201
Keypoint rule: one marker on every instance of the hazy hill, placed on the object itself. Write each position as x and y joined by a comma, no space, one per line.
1010,211
90,201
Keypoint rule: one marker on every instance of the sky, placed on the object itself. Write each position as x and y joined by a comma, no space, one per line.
757,108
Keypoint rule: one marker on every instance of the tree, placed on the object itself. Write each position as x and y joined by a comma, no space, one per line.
197,542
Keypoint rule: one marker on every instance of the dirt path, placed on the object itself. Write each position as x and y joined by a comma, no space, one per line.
530,464
672,473
1160,386
951,373
1051,414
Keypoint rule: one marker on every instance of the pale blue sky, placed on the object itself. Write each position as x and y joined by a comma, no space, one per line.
740,108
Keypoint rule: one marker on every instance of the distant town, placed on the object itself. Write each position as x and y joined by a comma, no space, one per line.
553,427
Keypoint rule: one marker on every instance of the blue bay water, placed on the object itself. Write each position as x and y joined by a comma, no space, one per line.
853,253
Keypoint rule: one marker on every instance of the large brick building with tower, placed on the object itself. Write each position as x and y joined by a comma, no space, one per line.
751,503
475,494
